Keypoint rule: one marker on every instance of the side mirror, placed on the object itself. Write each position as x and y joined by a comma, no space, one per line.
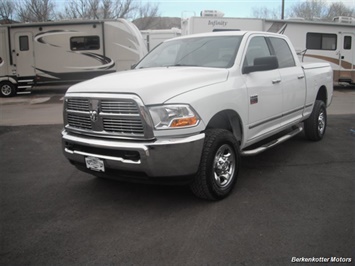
262,64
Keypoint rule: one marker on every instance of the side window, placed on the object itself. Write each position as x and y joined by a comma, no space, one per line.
257,48
85,43
282,52
321,41
347,42
24,45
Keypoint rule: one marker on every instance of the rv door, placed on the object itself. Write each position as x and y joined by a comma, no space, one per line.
347,57
24,54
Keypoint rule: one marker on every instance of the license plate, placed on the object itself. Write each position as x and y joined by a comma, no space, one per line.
95,164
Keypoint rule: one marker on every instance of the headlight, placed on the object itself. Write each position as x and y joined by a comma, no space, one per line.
173,116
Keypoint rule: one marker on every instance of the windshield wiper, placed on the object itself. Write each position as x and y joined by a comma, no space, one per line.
182,65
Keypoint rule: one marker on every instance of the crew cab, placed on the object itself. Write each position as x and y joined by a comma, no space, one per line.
192,107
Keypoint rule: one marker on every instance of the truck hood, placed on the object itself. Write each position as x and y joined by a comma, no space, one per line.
153,85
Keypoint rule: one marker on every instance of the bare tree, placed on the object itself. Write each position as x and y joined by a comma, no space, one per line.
148,16
7,9
309,10
102,9
35,10
113,9
264,12
339,9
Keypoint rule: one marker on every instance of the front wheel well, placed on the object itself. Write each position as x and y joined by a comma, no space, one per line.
322,95
228,120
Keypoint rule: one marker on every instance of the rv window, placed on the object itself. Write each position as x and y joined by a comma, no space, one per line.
321,41
347,42
23,40
282,52
85,43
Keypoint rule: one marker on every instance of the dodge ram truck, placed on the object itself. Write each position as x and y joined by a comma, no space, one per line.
188,111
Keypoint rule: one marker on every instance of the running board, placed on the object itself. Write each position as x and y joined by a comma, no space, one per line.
273,143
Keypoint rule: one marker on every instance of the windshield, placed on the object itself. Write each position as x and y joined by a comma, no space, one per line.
216,51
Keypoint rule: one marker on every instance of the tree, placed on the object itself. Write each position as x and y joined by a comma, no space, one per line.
106,9
339,9
309,10
264,12
147,15
7,9
35,10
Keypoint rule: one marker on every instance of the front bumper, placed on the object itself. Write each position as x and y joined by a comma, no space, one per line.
170,157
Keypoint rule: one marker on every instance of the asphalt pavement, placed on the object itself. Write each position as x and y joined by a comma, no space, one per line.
293,201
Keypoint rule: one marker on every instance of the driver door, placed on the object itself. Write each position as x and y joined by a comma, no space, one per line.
264,92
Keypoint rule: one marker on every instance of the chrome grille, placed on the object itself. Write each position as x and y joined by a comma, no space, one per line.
79,121
119,107
78,104
104,116
124,126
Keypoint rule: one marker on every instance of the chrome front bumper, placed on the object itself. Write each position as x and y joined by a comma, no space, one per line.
160,158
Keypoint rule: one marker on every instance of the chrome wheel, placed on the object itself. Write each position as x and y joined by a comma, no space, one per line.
321,123
224,166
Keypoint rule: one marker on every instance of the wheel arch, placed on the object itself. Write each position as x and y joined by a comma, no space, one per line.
322,95
228,120
9,79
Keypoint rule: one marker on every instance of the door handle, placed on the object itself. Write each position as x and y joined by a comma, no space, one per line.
300,77
275,81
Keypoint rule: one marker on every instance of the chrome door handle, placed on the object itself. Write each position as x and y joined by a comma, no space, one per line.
300,77
275,81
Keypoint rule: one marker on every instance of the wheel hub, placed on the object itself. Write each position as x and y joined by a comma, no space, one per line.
321,123
6,90
224,165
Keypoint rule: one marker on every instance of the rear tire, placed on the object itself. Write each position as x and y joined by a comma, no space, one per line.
316,124
7,89
219,166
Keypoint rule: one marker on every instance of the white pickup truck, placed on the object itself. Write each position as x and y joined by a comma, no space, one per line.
192,107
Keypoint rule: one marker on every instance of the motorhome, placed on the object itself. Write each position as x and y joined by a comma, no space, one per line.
65,52
314,41
152,38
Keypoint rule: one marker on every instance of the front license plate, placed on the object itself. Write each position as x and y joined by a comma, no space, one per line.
95,164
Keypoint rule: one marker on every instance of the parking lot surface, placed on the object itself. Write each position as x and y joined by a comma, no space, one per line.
295,200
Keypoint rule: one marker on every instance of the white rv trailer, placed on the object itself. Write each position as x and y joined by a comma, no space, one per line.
65,52
314,41
152,38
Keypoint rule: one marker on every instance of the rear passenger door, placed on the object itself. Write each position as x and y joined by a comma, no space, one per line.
264,91
292,81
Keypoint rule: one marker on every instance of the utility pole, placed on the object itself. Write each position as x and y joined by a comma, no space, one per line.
283,9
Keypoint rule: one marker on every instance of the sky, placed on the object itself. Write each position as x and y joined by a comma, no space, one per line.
231,8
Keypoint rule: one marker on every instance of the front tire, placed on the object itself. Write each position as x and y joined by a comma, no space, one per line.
316,124
219,166
7,89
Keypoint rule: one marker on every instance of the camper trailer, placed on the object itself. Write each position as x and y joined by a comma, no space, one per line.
152,38
314,41
65,52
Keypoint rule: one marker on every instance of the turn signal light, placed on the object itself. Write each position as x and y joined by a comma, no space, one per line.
183,122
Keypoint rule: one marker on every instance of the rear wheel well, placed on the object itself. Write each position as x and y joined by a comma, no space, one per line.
228,120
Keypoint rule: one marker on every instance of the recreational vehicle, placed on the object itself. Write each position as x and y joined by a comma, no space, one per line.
65,52
152,38
314,41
